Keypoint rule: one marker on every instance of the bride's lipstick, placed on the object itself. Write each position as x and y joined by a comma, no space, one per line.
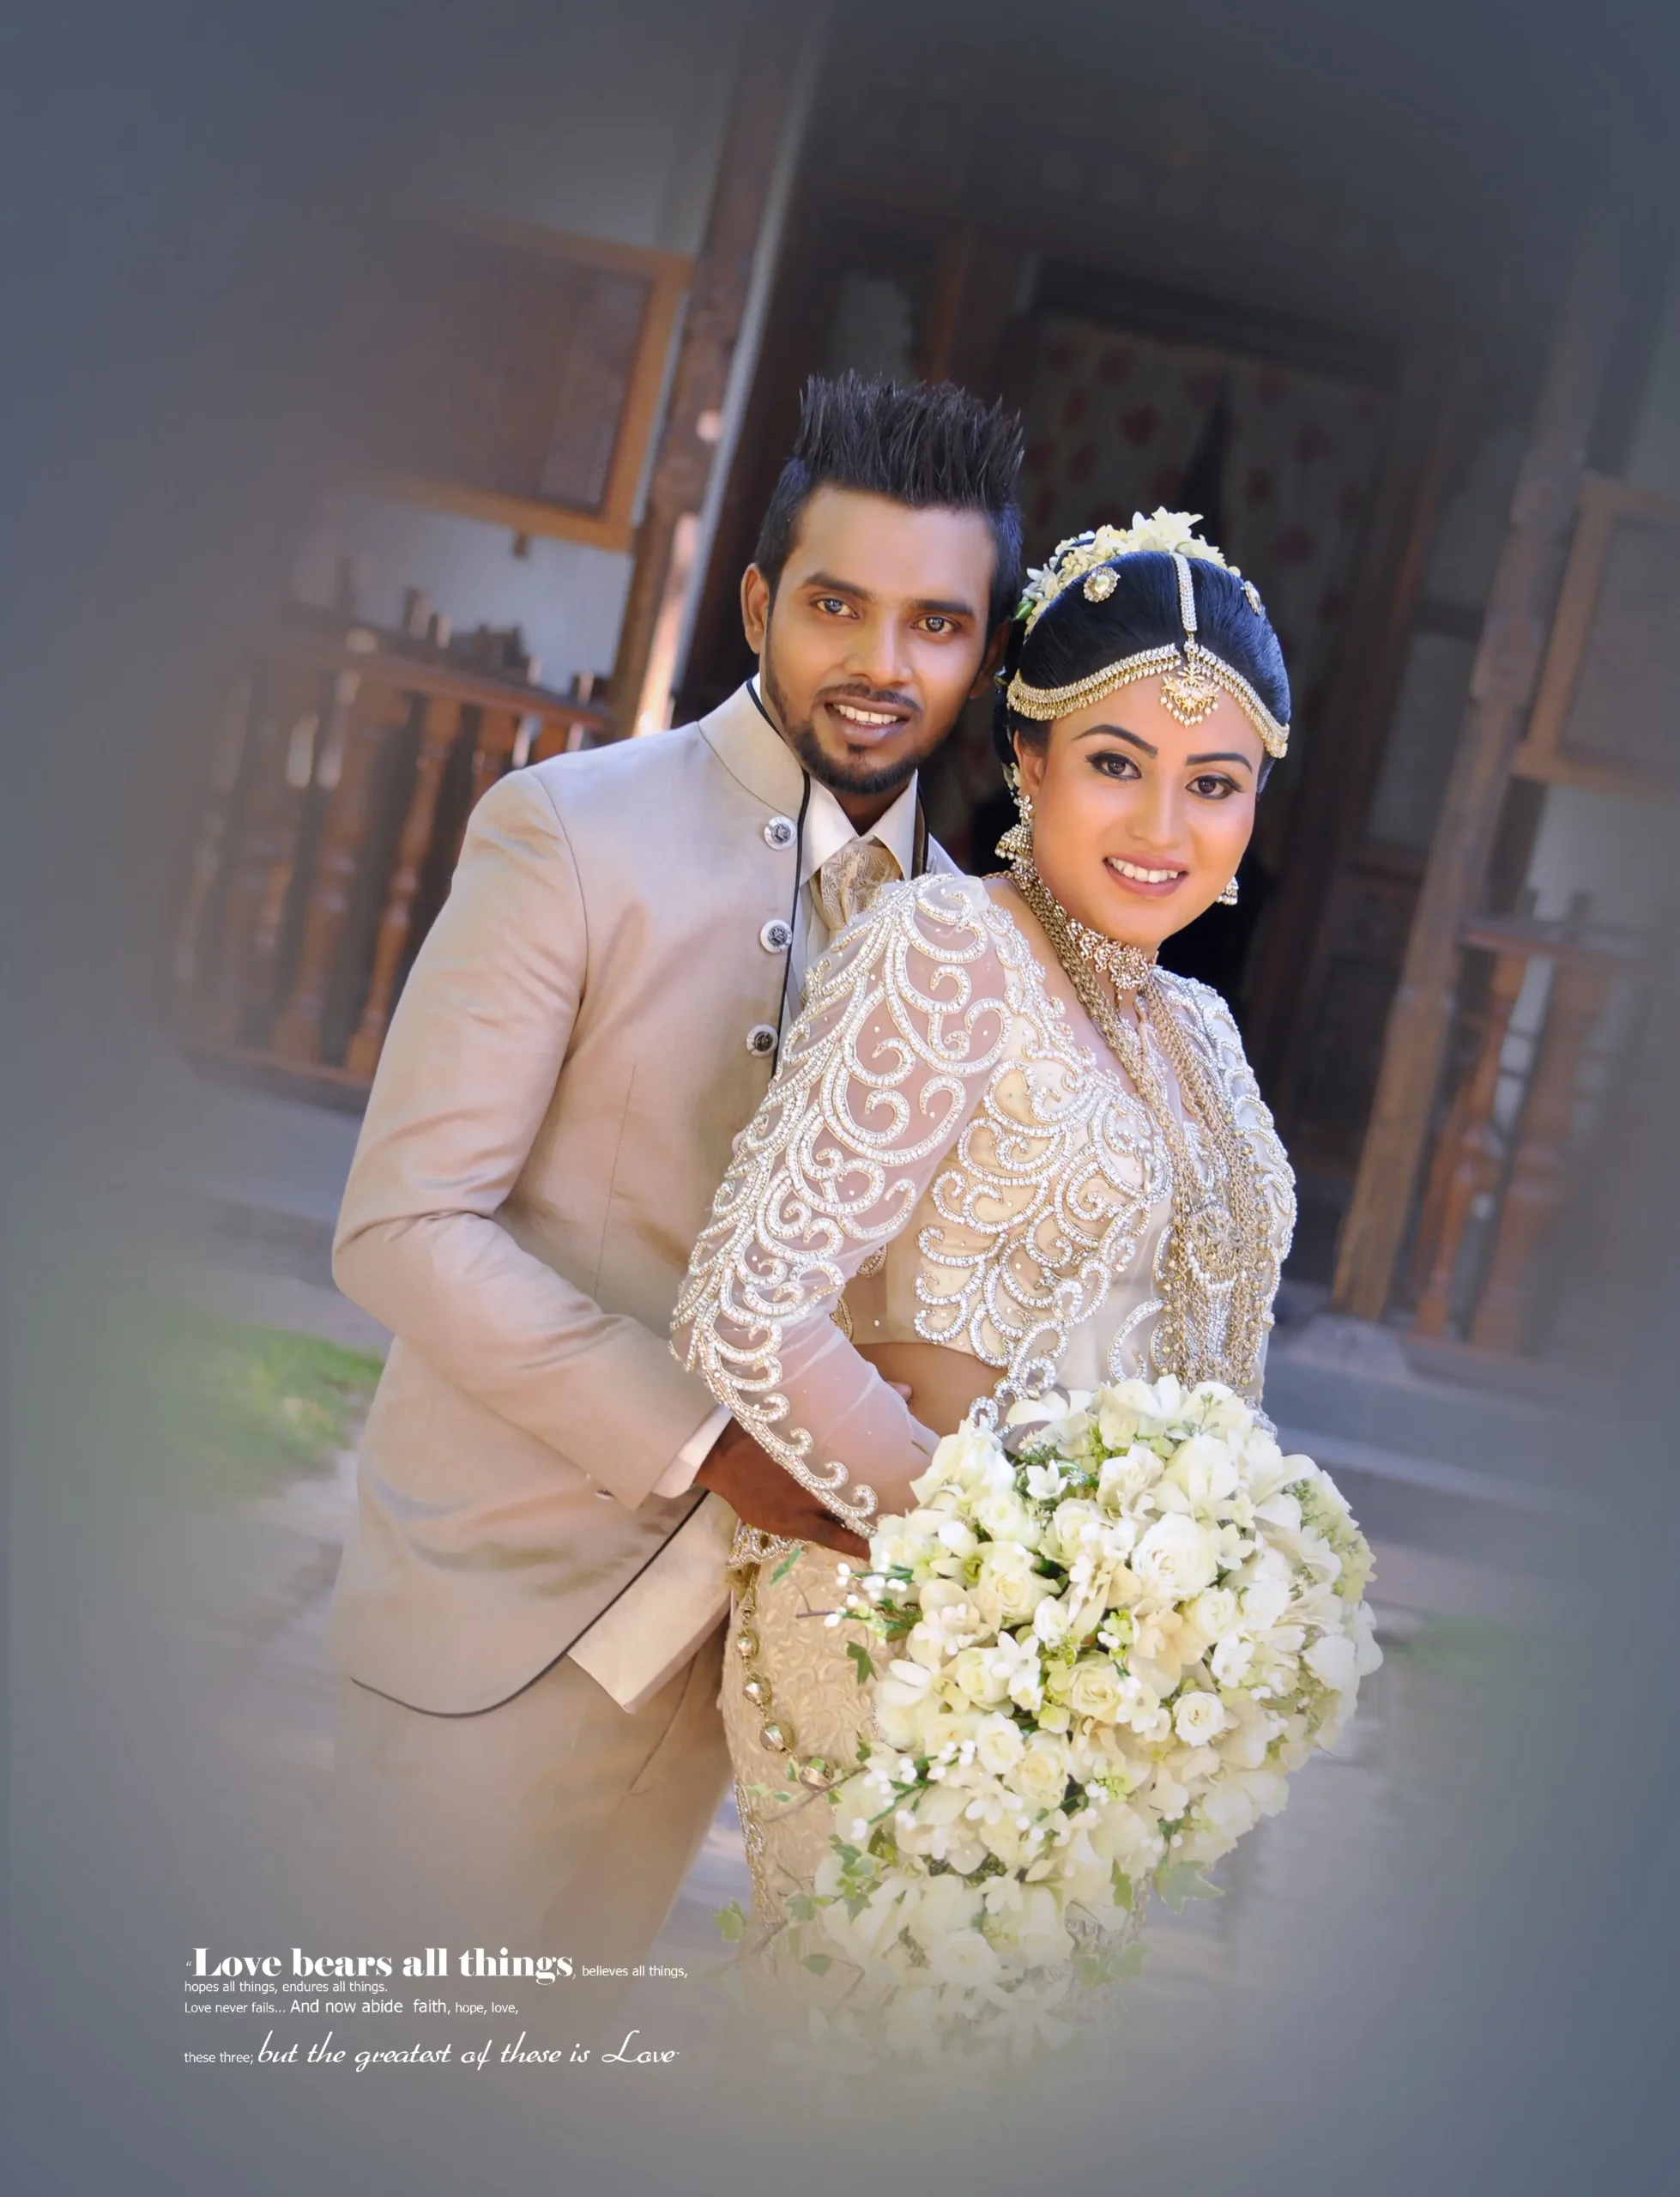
1151,881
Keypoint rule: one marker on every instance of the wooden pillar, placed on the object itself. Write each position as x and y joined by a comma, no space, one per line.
1507,660
772,47
441,723
1540,1171
1468,1156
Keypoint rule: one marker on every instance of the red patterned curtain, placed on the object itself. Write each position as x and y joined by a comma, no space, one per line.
1279,460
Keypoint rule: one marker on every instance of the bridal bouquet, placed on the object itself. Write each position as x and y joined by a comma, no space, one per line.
1107,1636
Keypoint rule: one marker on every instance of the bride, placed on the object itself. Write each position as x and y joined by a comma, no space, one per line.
1004,1153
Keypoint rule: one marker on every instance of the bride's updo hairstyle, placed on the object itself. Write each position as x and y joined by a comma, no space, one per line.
1084,614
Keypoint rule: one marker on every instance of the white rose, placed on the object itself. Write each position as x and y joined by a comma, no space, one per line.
1041,1775
1198,1718
963,1959
1096,1690
1068,1524
998,1744
1333,1659
1050,1621
1177,1558
1003,1517
1008,1587
1211,1612
974,1672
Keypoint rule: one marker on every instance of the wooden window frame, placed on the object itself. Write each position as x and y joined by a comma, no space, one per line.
1603,505
669,275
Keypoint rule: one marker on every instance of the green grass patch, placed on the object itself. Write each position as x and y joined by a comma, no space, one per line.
239,1410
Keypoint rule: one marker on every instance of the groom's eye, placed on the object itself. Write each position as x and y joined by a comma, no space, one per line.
834,604
938,623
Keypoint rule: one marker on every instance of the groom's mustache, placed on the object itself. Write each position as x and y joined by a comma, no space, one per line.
875,698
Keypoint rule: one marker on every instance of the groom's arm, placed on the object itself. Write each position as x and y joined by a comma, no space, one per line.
475,1051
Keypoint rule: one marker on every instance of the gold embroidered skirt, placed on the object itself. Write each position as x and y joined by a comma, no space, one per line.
795,1705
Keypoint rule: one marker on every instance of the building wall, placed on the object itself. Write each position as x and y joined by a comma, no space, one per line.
611,128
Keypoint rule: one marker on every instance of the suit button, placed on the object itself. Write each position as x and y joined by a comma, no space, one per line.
761,1037
777,936
780,832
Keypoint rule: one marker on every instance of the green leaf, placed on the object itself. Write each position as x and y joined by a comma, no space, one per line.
801,1907
787,1564
731,1923
818,1964
1184,1881
1122,1884
859,1655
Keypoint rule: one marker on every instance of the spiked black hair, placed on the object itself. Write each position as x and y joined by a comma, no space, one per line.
929,444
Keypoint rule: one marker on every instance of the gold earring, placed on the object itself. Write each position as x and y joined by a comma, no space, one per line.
1016,844
1227,898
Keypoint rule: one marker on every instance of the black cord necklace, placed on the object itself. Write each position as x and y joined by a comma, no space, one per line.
918,856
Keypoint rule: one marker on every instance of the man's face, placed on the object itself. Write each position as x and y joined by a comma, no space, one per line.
875,640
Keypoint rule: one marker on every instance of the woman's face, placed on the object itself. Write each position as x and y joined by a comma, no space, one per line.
1139,822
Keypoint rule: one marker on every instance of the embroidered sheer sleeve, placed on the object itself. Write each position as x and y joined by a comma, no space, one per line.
1214,1032
905,1022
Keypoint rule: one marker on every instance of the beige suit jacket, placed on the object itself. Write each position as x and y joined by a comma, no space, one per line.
566,1071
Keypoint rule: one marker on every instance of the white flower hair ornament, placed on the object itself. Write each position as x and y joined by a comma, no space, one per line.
1192,677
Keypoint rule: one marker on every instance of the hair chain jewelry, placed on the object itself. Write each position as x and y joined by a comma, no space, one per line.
1192,677
1216,1264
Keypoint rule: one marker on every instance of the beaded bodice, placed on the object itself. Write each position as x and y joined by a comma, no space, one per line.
942,1158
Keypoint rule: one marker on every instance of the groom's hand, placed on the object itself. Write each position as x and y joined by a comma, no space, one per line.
762,1494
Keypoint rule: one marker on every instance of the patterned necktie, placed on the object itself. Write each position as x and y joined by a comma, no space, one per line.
850,878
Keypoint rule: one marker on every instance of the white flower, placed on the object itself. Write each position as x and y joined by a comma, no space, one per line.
1003,1517
1204,1470
1198,1718
1097,1689
998,1744
1041,1775
962,1460
1335,1661
1231,1658
1365,1637
1176,1557
1035,1929
946,1904
963,1959
1050,1621
1008,1588
1211,1612
975,1673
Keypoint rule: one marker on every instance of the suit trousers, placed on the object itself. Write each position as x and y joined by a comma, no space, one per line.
555,1822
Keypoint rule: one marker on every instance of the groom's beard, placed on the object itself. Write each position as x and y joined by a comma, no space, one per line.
825,769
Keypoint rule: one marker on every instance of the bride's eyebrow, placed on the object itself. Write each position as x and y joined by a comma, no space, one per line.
1116,732
1192,761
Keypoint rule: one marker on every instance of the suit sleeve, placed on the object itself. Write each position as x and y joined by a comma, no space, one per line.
475,1049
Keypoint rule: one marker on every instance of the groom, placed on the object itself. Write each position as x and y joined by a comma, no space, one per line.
527,1618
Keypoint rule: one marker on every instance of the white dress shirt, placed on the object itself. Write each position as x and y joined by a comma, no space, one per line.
643,1638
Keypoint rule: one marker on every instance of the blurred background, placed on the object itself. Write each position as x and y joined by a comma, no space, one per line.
391,395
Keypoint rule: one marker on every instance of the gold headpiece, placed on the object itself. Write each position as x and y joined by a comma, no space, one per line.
1192,677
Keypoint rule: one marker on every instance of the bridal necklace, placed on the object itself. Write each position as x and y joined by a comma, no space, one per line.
1215,1265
